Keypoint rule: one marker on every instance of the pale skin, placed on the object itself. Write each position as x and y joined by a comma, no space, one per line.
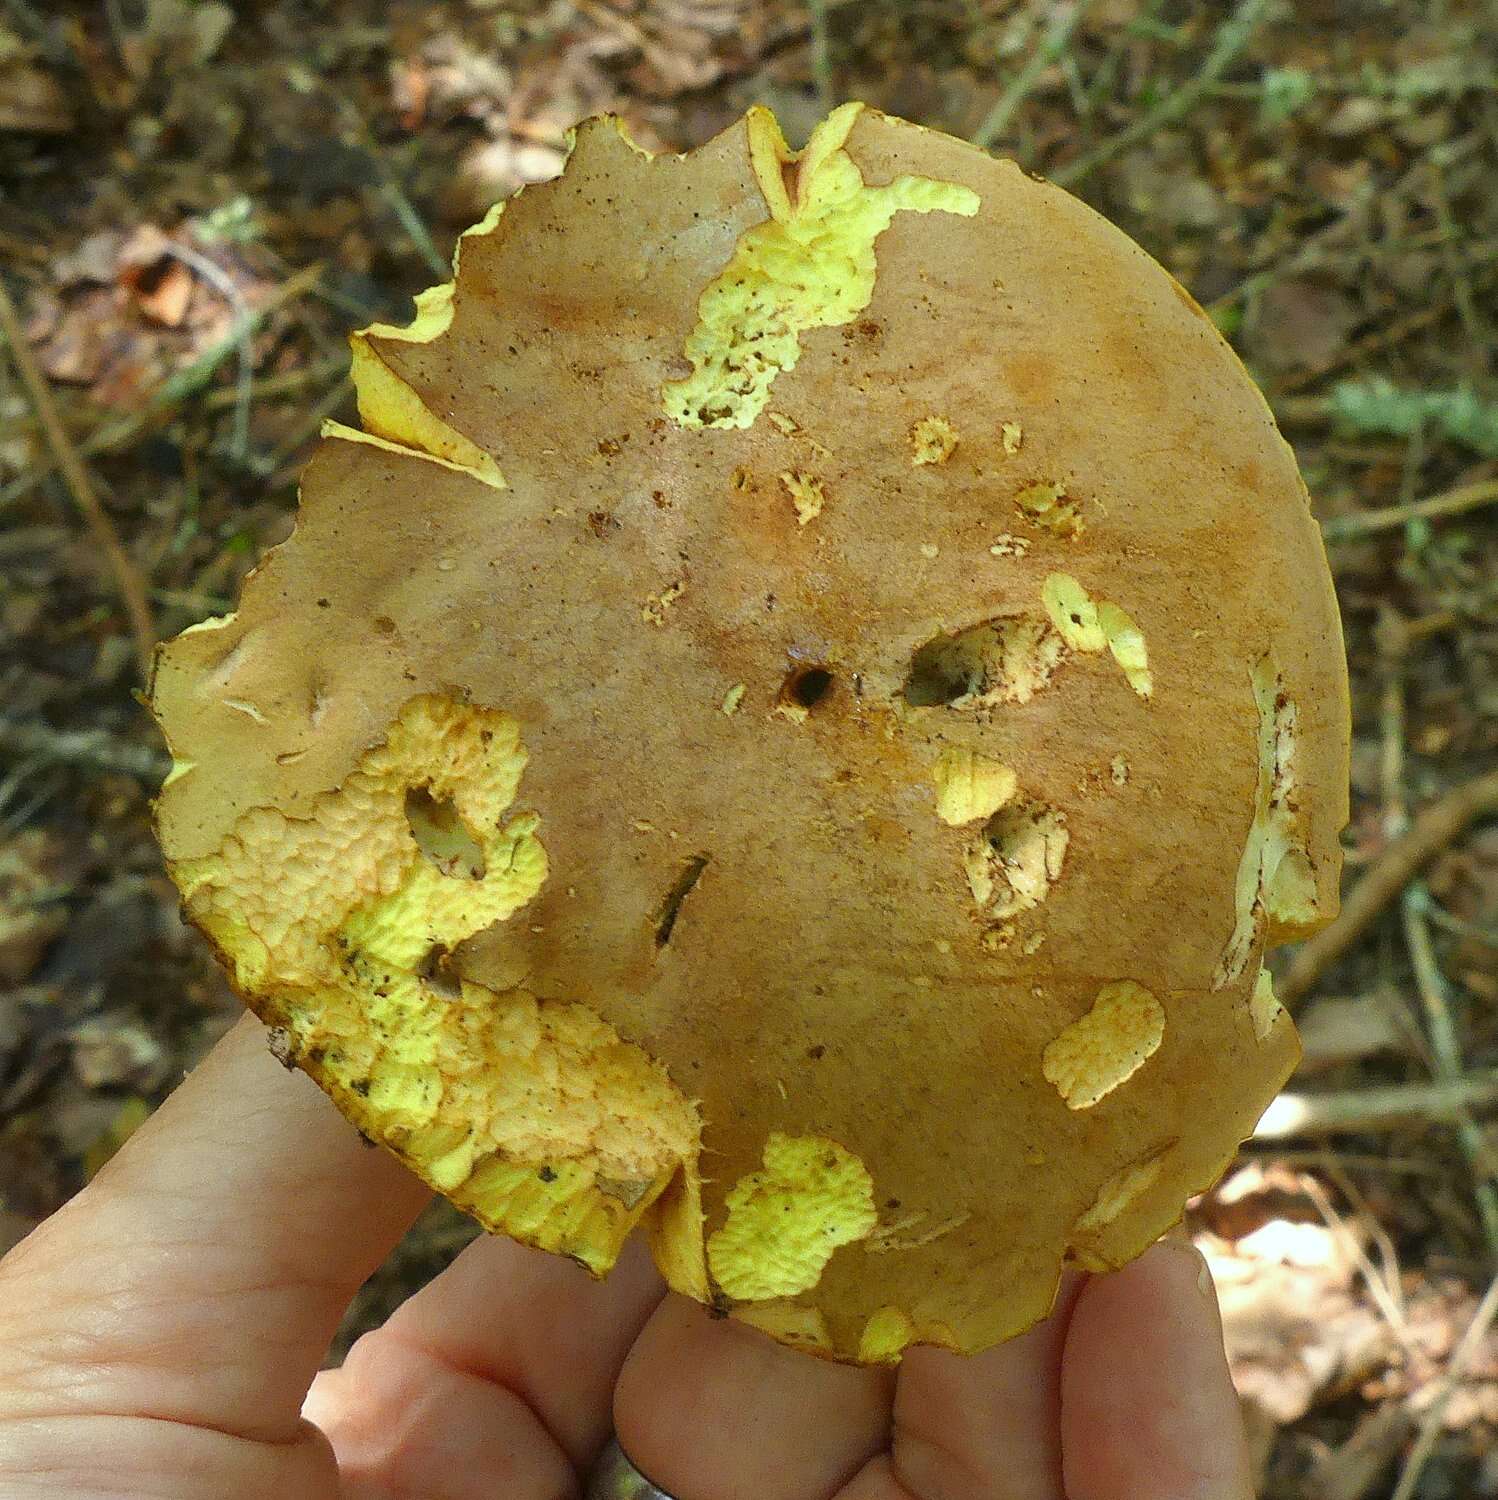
161,1337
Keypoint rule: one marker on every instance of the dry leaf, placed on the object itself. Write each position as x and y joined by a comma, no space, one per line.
32,100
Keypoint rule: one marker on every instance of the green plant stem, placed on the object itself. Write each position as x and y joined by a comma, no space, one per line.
1231,40
1052,45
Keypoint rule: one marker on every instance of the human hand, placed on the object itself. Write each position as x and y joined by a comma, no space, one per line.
160,1337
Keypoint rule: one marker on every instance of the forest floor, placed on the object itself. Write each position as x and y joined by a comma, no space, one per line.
198,202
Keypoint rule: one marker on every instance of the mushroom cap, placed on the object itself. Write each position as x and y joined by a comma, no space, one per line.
791,727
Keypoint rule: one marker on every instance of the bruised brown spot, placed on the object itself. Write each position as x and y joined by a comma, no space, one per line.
1034,378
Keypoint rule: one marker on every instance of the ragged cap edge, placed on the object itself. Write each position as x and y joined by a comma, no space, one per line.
811,264
769,154
394,416
1275,890
326,925
180,767
678,1243
485,470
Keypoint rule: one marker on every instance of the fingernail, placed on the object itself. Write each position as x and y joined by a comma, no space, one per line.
1179,1241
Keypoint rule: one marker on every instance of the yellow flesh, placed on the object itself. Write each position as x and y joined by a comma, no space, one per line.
785,1221
392,413
1090,625
810,265
1275,886
932,441
1094,1055
970,786
533,1115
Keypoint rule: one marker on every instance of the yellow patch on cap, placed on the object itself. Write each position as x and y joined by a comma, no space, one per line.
1107,1046
933,440
970,786
809,265
785,1221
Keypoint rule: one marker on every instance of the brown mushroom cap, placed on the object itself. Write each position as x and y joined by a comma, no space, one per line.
888,757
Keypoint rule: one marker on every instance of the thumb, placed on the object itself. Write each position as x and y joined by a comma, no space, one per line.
1148,1410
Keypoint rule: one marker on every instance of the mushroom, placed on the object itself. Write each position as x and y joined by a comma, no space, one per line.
791,727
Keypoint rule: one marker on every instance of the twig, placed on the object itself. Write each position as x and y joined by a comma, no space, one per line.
93,749
309,425
1444,1046
1422,627
821,54
214,275
1452,503
10,785
1393,647
1450,922
1231,39
1430,1422
392,191
1358,1110
1351,1471
1388,1255
395,195
1052,45
288,383
1304,411
1432,830
173,391
1325,249
1457,272
18,817
1364,1161
50,39
127,577
199,605
118,30
1445,1050
1446,1053
1383,336
1384,1289
16,541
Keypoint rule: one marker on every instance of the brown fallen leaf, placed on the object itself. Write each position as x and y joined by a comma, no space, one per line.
30,916
113,1051
74,351
94,258
175,35
1253,1195
1298,1330
164,294
1299,324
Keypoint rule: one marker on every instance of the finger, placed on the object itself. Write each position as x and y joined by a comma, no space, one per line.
710,1409
200,1277
543,1336
404,1423
1147,1406
981,1427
